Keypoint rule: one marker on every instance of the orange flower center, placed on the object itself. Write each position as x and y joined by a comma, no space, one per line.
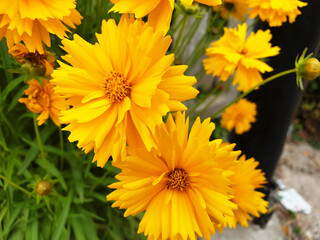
116,87
178,179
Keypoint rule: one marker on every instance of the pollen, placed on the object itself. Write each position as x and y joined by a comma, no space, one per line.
116,87
178,179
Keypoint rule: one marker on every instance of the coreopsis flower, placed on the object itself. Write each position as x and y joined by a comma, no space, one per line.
239,116
42,99
159,12
120,88
32,21
246,179
235,8
178,184
33,62
233,52
276,12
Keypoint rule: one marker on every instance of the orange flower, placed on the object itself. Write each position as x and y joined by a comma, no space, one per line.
35,63
42,99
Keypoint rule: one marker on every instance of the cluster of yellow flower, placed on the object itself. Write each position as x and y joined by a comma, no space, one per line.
114,94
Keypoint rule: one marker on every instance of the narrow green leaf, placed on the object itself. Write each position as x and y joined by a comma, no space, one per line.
32,229
63,216
11,86
77,228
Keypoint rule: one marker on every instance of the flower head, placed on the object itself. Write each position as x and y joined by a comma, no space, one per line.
233,52
32,21
34,63
120,88
239,116
179,185
246,179
235,8
159,12
275,12
41,99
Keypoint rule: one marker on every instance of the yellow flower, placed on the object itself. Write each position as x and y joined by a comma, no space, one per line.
234,53
41,99
275,12
120,88
32,21
179,186
239,116
160,11
245,180
33,62
235,8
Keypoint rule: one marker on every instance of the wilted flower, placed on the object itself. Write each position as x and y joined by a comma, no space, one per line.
33,62
41,99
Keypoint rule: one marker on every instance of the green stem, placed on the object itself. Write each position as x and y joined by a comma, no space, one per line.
184,23
213,91
225,88
39,141
186,40
253,88
15,185
61,147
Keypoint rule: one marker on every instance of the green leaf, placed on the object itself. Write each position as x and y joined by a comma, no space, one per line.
3,142
63,216
33,228
11,86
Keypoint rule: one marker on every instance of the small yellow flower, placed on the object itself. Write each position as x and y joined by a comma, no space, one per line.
41,99
31,21
120,88
233,52
159,12
246,179
235,8
34,63
239,116
179,185
275,12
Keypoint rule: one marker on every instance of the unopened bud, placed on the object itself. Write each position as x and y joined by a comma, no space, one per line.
311,69
43,188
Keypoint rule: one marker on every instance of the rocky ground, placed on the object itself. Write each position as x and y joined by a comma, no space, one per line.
299,168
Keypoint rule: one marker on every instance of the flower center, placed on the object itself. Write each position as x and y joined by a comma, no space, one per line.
116,87
229,6
178,179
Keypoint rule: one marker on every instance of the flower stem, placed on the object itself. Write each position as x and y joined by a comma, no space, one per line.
198,103
225,88
61,147
39,142
176,45
253,88
15,185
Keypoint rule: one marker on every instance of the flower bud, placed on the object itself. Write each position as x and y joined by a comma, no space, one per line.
311,69
43,188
